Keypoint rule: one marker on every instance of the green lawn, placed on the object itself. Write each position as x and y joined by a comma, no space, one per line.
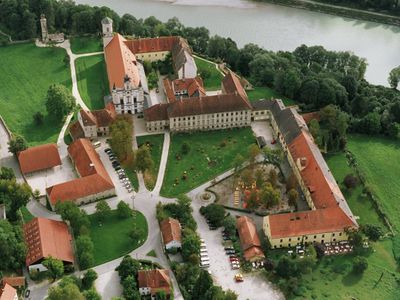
26,72
267,93
86,44
110,237
92,80
213,82
205,147
379,159
26,214
131,174
359,203
156,144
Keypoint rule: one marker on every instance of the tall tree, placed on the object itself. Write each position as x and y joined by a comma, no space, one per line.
17,144
59,101
203,284
12,246
84,249
394,77
102,209
144,162
54,266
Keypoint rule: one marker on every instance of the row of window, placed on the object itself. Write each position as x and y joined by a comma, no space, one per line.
315,236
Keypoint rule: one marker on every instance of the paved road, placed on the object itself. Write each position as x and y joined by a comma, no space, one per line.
163,163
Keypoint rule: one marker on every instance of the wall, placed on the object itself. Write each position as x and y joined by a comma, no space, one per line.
128,100
152,56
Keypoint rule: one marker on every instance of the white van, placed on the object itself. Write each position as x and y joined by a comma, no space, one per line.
96,144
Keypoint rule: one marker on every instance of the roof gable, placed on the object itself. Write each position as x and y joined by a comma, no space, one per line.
39,158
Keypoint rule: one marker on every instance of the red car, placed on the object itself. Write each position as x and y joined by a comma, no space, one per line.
233,259
273,142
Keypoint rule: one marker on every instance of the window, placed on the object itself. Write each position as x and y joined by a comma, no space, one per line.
290,239
315,236
323,235
298,238
281,240
340,234
333,234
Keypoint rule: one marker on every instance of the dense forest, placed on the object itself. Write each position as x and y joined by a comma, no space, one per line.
392,6
312,76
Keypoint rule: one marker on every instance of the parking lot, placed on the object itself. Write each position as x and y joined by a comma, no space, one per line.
253,287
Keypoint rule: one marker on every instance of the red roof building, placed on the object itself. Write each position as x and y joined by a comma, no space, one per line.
15,282
39,158
183,88
171,233
249,240
7,292
146,45
94,182
231,85
153,281
44,238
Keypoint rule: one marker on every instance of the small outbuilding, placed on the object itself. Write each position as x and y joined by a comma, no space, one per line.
171,233
39,158
152,282
249,240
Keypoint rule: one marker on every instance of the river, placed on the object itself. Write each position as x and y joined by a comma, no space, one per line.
276,27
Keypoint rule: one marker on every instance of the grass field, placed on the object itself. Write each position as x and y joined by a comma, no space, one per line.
205,160
213,82
359,203
379,159
156,144
92,80
86,44
110,237
267,93
26,72
131,174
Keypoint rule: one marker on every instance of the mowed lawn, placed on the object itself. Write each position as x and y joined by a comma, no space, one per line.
86,44
156,144
206,159
267,93
92,80
213,81
359,203
26,72
379,158
110,237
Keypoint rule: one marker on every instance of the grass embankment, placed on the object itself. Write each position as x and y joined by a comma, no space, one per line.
86,44
26,72
92,80
110,237
211,153
156,144
26,214
213,81
267,93
131,174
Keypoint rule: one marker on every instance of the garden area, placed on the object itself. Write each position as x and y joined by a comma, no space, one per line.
267,93
211,76
195,158
86,44
155,145
26,72
111,235
92,80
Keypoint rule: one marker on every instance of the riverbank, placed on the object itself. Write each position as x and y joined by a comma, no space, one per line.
341,11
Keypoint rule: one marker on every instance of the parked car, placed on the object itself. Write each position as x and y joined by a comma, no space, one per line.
230,252
212,228
228,248
226,238
107,150
239,277
233,258
117,168
130,190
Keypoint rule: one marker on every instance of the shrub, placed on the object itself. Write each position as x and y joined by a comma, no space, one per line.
360,264
373,232
350,181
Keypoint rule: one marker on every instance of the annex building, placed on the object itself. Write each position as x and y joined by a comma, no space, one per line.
39,158
329,216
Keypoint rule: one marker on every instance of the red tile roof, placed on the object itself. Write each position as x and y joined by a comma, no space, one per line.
156,112
157,280
170,230
76,131
15,281
44,237
232,85
159,44
315,115
39,158
94,177
100,118
249,240
189,86
120,62
88,118
332,211
7,292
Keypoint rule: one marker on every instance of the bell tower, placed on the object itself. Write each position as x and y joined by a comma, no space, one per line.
107,26
43,25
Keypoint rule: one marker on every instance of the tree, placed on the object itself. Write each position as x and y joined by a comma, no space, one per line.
315,131
66,292
254,151
161,295
128,267
247,177
350,181
373,232
360,264
12,246
229,224
54,266
130,290
14,195
273,177
102,209
84,249
135,233
143,159
293,195
394,77
38,118
215,214
7,173
91,294
286,267
356,239
17,144
291,182
238,161
269,196
59,101
185,148
190,243
203,284
259,177
121,132
123,210
88,279
77,218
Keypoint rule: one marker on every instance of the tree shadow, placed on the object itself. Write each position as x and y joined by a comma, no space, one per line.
351,279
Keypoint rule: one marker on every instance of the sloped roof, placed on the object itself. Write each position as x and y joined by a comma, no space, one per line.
7,292
121,62
156,112
146,45
94,177
181,53
191,85
170,230
88,118
15,281
104,117
39,158
157,280
249,240
232,85
76,130
290,123
45,237
107,20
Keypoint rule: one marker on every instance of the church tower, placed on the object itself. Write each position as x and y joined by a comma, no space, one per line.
107,26
43,25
